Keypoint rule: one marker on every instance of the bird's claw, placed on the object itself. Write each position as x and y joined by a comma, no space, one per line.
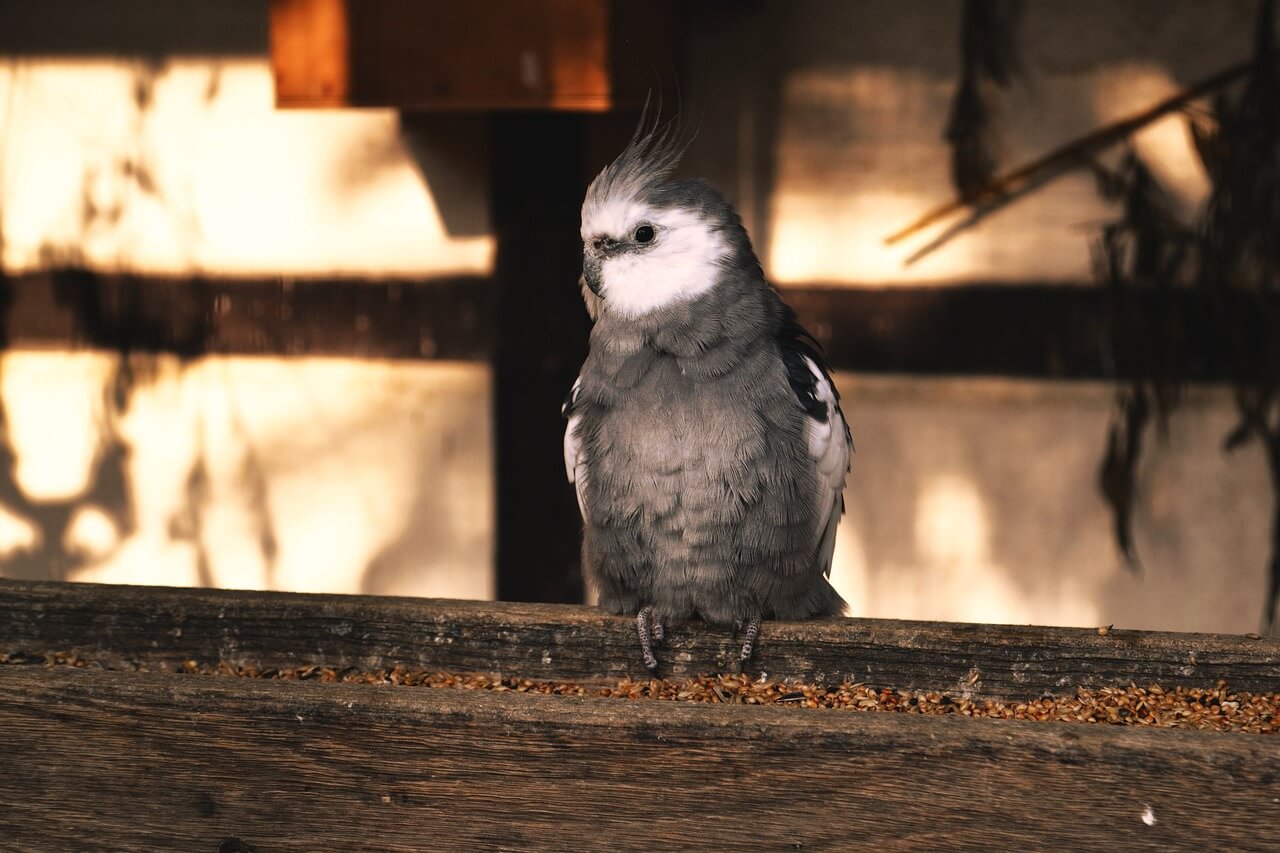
651,633
749,637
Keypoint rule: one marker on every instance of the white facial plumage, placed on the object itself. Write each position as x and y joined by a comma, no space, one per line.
680,264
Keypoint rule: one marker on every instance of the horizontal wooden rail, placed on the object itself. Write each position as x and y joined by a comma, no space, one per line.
164,627
1036,330
148,761
440,318
117,759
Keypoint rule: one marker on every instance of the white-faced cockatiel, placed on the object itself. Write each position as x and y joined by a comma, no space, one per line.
705,438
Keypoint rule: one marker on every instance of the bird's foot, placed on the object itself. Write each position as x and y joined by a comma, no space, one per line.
749,637
651,634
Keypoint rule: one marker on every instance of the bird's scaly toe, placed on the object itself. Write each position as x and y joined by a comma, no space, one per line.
749,638
645,628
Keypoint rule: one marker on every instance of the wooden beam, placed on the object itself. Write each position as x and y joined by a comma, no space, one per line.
1034,331
139,29
164,627
147,761
447,318
540,341
580,55
310,52
1043,331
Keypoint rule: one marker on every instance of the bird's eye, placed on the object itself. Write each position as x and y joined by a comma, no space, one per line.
644,234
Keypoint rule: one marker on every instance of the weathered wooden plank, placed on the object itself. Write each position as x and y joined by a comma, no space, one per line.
146,761
164,627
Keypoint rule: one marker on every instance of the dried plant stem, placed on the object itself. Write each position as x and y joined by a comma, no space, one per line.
1077,152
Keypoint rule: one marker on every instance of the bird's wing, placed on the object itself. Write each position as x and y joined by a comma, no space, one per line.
574,468
830,446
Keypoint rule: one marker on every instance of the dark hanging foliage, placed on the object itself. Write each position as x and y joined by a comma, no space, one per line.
1234,247
988,59
1146,247
1240,251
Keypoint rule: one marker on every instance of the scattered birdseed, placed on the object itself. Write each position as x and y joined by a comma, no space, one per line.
1216,708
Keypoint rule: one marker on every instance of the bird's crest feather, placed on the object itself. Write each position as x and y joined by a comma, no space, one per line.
645,163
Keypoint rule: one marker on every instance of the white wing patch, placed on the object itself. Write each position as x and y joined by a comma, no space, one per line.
574,468
829,448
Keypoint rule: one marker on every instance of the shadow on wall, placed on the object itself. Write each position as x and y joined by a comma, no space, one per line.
833,136
184,167
49,537
189,470
976,500
306,474
969,500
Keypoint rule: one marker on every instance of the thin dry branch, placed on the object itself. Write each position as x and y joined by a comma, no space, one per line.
1075,153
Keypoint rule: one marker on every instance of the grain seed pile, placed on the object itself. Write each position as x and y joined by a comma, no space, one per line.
1215,708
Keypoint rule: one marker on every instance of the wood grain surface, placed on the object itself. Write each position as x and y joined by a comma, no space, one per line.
151,761
163,627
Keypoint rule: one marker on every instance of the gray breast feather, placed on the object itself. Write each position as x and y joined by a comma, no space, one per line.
826,452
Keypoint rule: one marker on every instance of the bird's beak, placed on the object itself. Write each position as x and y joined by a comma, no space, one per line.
591,274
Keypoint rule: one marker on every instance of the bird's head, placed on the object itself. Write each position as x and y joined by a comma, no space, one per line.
649,241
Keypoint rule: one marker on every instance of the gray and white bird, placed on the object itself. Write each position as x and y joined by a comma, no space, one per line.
705,438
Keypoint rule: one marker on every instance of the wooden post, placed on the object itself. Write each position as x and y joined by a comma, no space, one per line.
541,337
